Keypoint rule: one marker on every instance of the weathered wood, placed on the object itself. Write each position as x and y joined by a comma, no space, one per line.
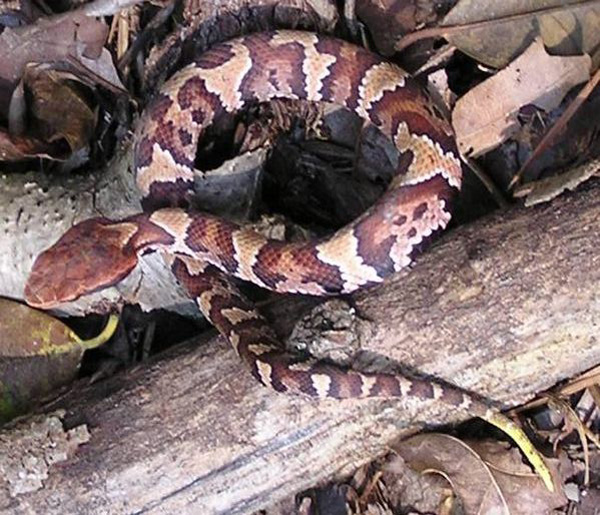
506,306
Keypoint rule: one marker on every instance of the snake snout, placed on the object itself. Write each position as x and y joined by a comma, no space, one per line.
92,255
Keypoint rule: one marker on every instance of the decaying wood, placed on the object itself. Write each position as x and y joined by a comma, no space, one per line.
506,307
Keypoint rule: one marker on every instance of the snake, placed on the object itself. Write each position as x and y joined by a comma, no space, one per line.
205,252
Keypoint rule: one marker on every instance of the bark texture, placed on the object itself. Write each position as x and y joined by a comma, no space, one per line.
506,307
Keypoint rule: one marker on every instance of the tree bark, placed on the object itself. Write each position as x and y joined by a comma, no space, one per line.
506,306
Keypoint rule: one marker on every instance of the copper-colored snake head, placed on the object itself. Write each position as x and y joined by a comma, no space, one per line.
90,256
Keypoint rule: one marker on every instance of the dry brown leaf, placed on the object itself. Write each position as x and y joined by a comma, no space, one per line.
37,114
73,43
69,36
546,189
462,467
403,486
567,27
99,71
388,20
51,91
50,39
522,489
573,31
486,116
590,500
17,148
26,332
488,477
38,354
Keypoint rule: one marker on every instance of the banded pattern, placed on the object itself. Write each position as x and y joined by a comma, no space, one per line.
204,250
255,342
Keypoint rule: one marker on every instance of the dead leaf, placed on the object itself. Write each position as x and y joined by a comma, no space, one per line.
69,51
573,31
488,477
100,71
63,37
29,366
26,332
567,27
487,115
50,39
22,147
388,20
590,502
37,123
522,489
38,354
546,189
50,91
403,486
36,112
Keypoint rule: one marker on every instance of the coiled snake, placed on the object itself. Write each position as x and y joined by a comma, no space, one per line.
204,250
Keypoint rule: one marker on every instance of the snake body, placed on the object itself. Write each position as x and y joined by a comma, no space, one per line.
204,250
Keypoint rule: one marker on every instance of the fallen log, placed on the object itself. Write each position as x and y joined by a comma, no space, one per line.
506,307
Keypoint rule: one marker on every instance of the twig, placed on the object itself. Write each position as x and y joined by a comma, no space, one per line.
573,420
160,18
350,17
107,7
585,380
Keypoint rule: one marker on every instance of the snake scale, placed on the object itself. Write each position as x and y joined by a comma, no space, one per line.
205,250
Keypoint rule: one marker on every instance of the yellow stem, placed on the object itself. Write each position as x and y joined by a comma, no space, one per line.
517,434
103,337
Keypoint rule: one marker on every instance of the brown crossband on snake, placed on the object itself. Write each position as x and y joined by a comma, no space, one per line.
205,250
97,253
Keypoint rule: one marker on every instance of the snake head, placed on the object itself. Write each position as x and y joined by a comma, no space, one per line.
90,256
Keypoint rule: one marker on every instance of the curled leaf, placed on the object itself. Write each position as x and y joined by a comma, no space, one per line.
488,477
